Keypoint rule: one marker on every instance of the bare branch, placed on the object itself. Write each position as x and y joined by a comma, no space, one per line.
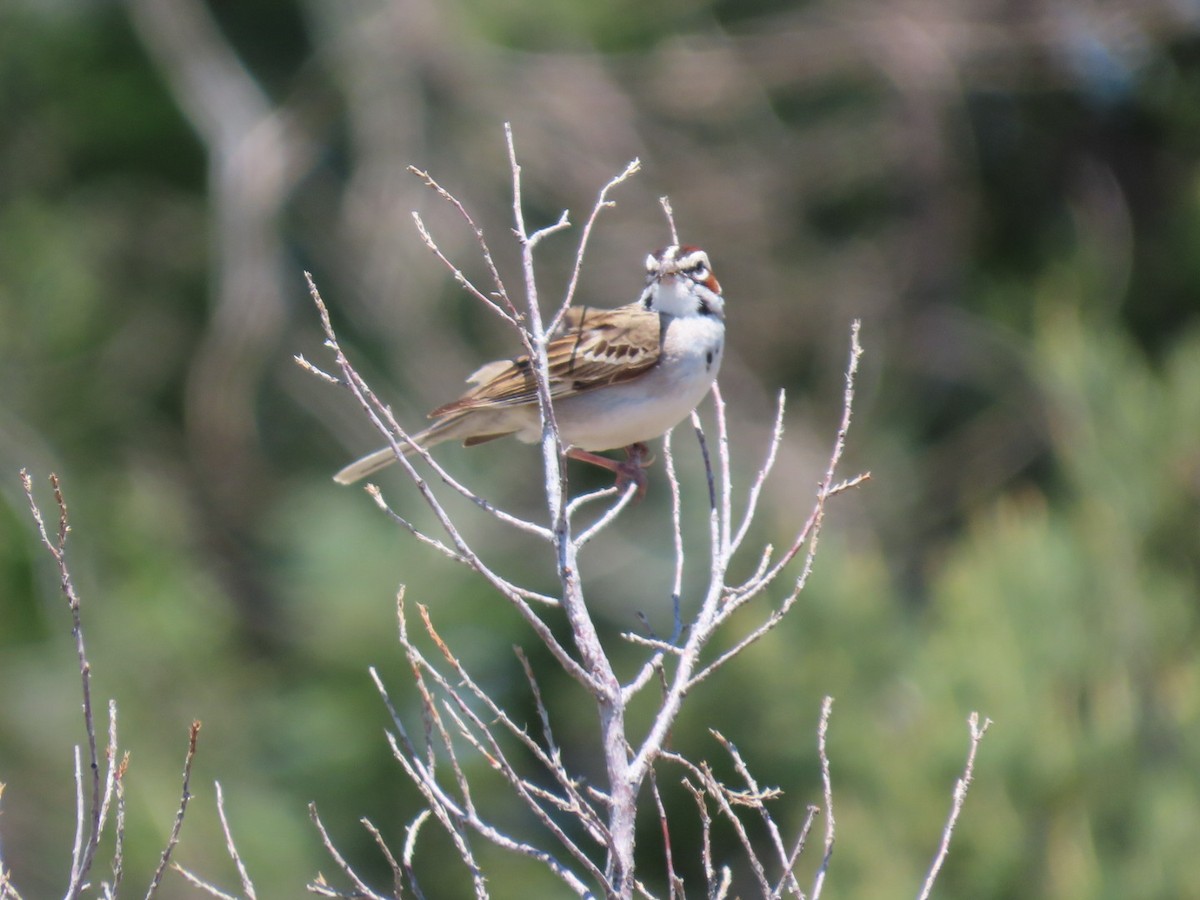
231,847
410,849
197,882
574,802
534,335
961,787
509,311
450,814
742,769
726,512
114,791
794,856
84,851
397,872
7,890
674,882
763,472
383,420
705,837
725,798
609,515
583,499
827,784
463,721
540,706
562,224
184,797
665,203
808,534
364,890
307,366
655,662
602,202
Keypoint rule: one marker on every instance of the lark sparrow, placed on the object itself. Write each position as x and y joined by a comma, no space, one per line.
618,377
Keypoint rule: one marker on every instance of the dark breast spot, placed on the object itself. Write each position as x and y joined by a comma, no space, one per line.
711,355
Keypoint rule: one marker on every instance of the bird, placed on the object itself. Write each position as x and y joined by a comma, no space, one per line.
618,377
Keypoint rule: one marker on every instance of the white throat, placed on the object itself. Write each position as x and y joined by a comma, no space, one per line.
678,295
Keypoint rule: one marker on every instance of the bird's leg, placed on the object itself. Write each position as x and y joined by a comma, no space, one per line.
631,469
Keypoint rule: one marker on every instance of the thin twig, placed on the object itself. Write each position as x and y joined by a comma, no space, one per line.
359,885
654,663
552,761
726,480
539,704
725,798
788,877
118,865
676,536
197,882
808,534
231,847
411,833
184,796
665,203
84,851
960,795
605,520
663,647
451,815
602,202
386,424
763,472
534,334
393,864
797,849
110,756
307,366
509,311
582,500
674,882
7,890
705,836
827,788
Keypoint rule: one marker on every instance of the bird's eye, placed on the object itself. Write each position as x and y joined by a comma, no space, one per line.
699,271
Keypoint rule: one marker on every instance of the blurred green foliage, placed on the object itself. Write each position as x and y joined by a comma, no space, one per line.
1012,205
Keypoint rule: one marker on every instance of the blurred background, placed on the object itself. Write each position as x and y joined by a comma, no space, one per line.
1006,193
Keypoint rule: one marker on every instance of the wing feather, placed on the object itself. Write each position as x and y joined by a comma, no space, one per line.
595,347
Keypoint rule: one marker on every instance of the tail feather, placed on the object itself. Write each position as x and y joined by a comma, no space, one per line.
368,465
448,429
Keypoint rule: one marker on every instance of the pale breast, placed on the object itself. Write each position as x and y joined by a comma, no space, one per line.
644,408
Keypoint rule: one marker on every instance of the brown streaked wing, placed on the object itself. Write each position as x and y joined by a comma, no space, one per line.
597,347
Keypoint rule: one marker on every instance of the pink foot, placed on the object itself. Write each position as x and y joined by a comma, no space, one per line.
630,470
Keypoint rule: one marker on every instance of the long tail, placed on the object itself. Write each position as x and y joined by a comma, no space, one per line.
368,465
453,427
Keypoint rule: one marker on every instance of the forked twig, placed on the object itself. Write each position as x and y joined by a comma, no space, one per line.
602,202
507,311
